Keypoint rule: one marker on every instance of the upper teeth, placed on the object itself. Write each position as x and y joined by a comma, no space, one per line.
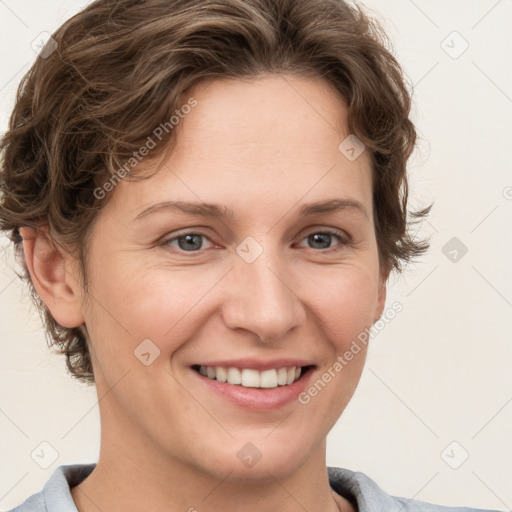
252,378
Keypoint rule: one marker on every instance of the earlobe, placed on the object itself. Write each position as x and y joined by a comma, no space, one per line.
49,268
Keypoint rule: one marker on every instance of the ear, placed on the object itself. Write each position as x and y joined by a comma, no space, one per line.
53,274
381,299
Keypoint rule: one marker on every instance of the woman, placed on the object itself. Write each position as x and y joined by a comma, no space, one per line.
273,135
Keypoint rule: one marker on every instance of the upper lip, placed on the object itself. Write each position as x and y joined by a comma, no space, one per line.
257,364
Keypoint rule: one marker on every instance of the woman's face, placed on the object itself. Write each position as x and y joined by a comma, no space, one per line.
267,286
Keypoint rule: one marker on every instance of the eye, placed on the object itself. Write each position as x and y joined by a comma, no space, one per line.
188,242
193,241
323,238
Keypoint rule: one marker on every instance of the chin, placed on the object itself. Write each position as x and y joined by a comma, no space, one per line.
252,462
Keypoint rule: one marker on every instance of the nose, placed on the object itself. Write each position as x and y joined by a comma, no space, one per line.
261,297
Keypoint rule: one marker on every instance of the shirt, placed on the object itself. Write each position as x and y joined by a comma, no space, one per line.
358,488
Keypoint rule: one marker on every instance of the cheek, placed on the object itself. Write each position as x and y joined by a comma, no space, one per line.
135,303
344,301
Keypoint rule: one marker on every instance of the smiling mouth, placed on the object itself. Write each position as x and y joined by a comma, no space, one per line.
250,378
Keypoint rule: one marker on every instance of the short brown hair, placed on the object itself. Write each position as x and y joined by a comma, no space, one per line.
119,70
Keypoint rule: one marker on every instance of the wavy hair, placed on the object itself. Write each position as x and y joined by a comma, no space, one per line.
119,70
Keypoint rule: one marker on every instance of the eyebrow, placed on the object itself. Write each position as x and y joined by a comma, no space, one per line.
224,213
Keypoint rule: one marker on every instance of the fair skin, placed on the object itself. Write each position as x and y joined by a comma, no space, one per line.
169,442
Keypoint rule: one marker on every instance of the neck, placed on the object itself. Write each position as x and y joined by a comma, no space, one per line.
131,474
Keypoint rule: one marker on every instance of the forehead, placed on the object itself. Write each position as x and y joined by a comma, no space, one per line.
258,141
267,110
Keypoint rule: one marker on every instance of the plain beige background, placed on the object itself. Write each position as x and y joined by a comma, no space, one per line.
437,387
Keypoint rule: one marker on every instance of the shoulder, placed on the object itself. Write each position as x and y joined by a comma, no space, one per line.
56,494
363,492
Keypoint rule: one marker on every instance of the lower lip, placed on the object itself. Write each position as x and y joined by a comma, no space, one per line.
258,399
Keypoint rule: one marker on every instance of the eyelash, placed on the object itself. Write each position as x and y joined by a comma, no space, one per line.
344,240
